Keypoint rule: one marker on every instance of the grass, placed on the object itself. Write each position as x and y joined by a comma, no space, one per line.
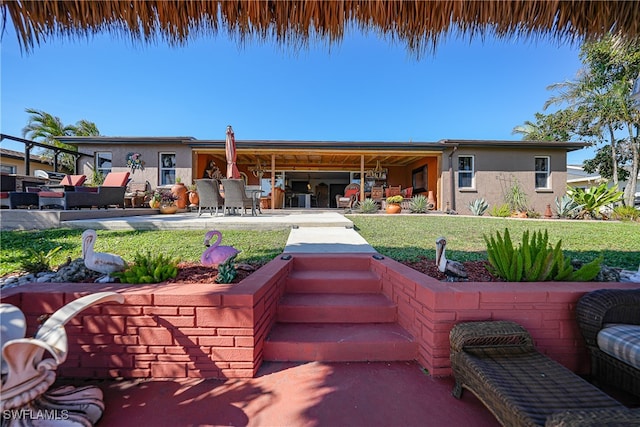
401,237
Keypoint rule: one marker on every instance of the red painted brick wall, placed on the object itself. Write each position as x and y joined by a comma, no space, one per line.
428,309
163,330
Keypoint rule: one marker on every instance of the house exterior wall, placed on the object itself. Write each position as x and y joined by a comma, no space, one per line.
495,172
149,155
19,164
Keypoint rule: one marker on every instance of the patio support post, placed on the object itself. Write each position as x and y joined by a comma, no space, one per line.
273,181
362,177
27,159
452,180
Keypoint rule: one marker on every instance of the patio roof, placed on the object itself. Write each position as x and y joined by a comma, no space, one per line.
418,24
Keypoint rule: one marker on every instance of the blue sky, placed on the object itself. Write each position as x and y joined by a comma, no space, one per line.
365,88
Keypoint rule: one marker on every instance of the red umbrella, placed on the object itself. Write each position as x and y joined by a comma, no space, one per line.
230,150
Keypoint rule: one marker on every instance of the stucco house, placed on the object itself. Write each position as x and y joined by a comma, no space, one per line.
455,171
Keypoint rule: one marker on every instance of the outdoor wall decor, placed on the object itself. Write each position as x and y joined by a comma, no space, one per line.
134,161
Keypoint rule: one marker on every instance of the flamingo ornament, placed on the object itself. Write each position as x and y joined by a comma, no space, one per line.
215,254
99,261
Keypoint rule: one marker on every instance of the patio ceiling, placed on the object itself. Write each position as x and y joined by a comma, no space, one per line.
417,24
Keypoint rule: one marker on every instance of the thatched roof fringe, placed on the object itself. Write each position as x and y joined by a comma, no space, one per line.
418,24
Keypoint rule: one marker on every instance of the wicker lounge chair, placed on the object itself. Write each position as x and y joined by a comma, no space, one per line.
350,197
595,311
235,196
498,362
111,192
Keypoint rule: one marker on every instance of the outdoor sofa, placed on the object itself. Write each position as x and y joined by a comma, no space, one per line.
110,193
498,362
609,320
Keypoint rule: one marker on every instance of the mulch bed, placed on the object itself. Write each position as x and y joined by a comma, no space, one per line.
193,272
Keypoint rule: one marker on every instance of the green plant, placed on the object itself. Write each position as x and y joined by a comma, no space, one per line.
534,260
566,207
97,178
418,204
38,260
501,211
368,206
149,268
594,198
478,207
227,271
395,199
626,213
516,198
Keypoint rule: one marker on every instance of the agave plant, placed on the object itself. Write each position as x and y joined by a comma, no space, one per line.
478,207
418,204
368,206
593,199
566,207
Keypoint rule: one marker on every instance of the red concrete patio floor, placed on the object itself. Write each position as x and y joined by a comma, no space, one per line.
297,394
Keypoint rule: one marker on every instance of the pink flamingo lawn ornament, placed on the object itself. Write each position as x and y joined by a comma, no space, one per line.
215,254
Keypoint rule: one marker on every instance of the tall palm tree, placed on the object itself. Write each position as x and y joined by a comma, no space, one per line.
44,127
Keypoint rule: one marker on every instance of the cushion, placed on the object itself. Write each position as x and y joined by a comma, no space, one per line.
621,342
4,195
73,180
407,193
116,179
51,194
351,192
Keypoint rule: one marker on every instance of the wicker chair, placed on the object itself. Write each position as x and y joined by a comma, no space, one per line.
350,196
498,362
235,196
594,311
209,194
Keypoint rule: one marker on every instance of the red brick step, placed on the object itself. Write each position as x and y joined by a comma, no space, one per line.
333,281
336,308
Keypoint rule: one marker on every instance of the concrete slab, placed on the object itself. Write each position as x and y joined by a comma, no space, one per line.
326,240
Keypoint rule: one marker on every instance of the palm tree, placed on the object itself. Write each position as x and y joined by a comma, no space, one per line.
44,127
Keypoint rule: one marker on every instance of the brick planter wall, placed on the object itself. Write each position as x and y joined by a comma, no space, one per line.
428,309
218,331
163,330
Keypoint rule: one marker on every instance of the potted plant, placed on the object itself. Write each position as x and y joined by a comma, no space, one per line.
194,199
393,204
167,201
179,190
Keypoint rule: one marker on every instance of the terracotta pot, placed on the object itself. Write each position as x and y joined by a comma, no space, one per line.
431,200
168,209
392,208
194,199
179,190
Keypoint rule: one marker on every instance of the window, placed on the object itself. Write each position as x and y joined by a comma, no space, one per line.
542,172
465,172
103,162
7,169
167,168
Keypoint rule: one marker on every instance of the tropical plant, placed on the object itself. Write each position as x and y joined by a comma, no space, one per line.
164,196
227,271
501,211
478,207
593,199
626,213
418,204
395,199
516,198
44,127
368,206
534,260
148,268
39,260
566,207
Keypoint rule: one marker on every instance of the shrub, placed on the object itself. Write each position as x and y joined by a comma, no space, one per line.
478,207
368,206
534,260
594,198
395,199
626,213
516,198
38,261
418,204
149,268
501,211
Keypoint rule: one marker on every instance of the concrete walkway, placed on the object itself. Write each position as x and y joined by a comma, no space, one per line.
326,240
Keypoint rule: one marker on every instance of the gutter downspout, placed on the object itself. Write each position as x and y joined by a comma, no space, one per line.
452,181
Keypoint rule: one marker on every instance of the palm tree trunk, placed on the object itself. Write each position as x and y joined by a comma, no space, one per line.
614,156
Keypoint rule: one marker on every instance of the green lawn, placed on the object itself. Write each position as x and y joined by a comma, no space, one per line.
405,237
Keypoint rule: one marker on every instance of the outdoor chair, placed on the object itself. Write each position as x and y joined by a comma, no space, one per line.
110,193
350,196
609,320
498,363
209,195
235,196
377,193
7,185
